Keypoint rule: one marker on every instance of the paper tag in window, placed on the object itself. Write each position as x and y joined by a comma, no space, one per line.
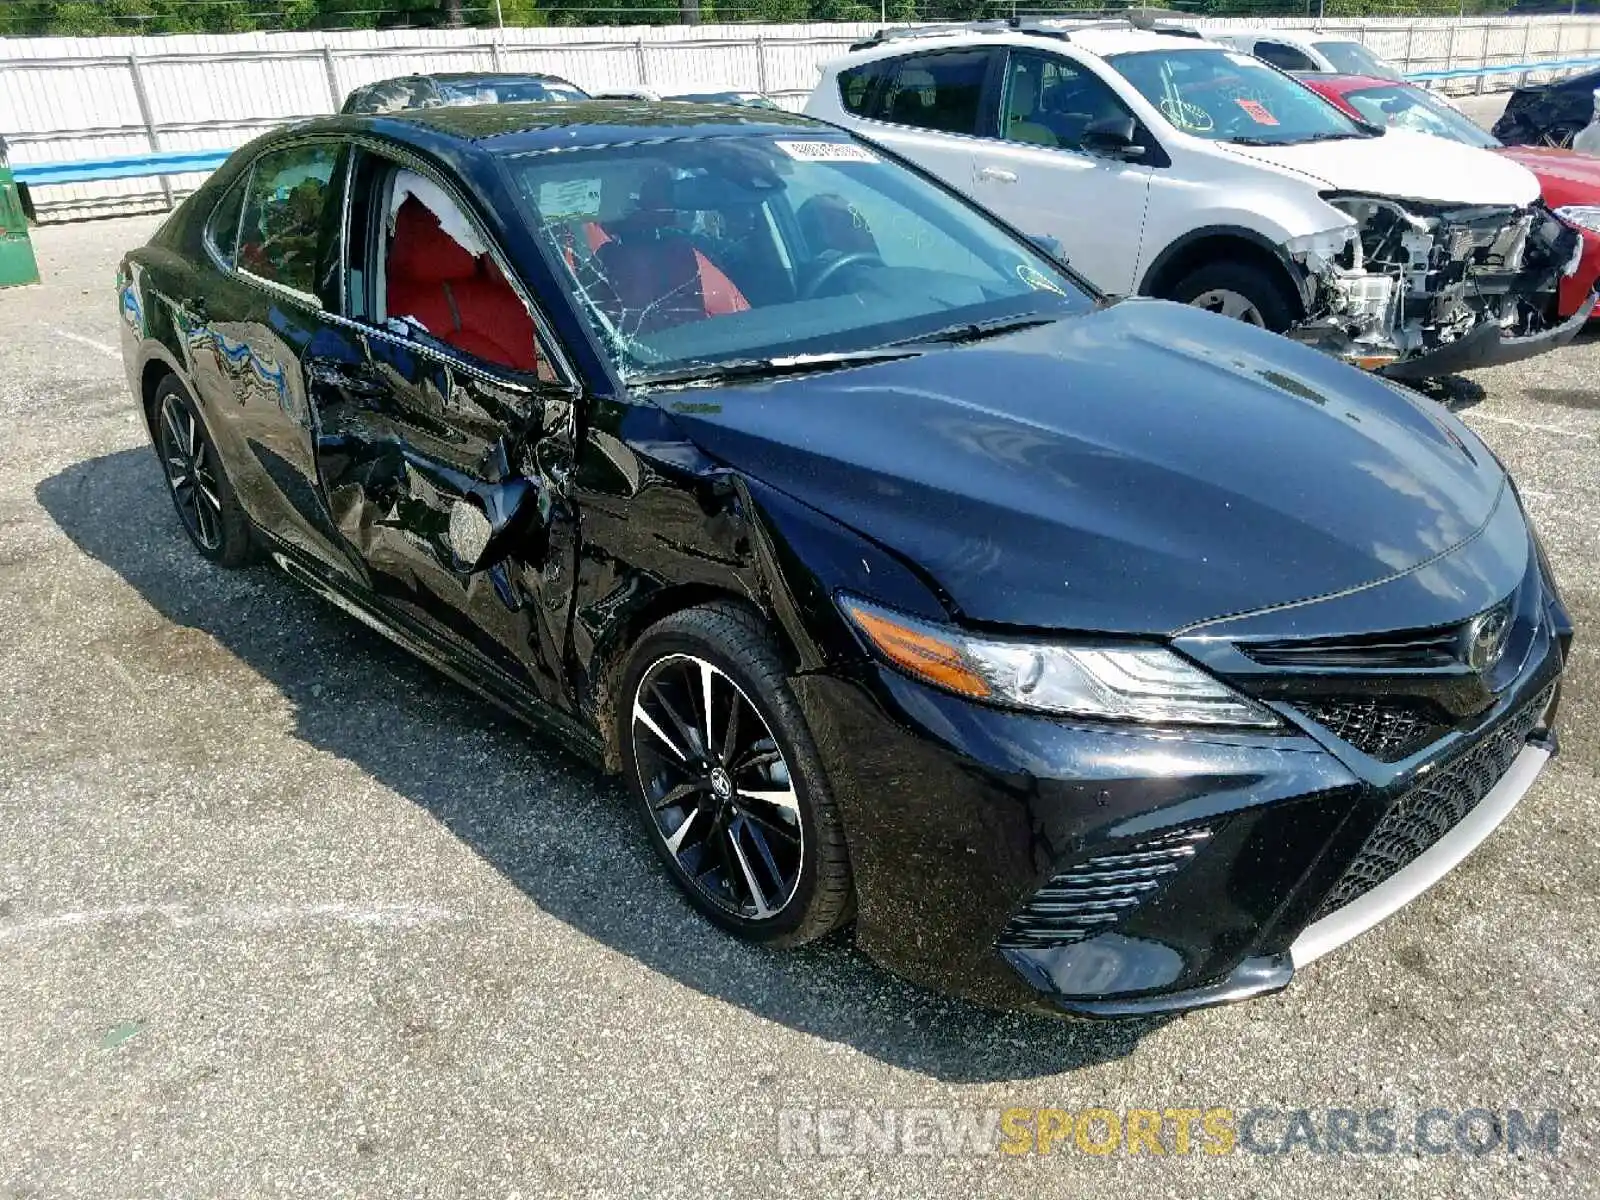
1242,60
1257,111
569,198
827,152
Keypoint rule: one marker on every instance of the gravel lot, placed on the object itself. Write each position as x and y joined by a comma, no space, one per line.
281,912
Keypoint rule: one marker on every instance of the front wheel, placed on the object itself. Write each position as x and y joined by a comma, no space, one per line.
723,769
1238,290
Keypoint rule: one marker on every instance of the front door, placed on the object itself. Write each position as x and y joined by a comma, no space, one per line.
445,428
1036,175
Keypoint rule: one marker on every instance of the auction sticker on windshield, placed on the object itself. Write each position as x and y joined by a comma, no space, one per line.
1258,112
827,152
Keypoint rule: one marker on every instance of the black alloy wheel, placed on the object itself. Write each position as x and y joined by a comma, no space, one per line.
200,488
723,769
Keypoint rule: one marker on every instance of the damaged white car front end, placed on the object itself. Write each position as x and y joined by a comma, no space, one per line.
1418,289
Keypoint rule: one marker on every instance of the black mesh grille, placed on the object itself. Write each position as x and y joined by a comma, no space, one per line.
1094,895
1431,809
1386,729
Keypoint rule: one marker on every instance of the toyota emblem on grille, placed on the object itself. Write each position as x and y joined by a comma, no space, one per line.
1484,637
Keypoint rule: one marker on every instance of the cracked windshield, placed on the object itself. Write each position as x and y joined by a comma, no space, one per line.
732,249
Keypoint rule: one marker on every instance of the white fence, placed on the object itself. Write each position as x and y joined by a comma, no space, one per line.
63,99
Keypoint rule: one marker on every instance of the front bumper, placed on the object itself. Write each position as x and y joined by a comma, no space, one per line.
962,819
1489,346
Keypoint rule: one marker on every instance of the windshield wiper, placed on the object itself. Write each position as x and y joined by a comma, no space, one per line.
1326,135
765,368
972,331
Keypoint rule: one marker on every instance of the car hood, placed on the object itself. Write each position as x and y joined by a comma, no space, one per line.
1566,171
1406,166
1138,469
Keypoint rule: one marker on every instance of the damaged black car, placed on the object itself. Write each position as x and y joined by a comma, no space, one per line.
1094,658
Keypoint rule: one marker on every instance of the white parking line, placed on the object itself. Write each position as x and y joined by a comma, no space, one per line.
102,347
270,916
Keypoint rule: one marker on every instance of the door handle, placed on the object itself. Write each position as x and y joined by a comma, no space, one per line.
997,175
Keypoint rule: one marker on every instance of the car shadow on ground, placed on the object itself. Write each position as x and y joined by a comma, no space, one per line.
1456,392
557,829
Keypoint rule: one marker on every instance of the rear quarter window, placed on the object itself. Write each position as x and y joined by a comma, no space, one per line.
856,86
222,227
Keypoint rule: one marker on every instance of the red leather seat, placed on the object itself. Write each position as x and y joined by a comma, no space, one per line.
460,299
656,275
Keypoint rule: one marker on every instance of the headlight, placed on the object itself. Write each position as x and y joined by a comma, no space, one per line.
1584,216
1326,245
1110,682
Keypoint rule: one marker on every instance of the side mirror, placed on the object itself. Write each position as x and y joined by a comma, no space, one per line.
484,523
1113,137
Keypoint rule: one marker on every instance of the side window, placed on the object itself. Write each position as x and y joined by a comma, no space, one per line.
943,92
1284,57
283,211
1050,101
222,230
419,260
855,87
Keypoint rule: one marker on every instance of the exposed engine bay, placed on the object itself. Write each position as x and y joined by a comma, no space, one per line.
1408,278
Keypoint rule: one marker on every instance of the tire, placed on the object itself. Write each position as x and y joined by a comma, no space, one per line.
1268,297
759,851
201,491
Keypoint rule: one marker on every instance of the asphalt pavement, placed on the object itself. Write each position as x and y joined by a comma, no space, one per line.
284,913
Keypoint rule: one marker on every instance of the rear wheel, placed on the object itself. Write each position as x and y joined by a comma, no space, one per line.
723,769
200,489
1239,290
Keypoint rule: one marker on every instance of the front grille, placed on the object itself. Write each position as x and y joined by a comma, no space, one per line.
1368,652
1092,896
1386,729
1423,815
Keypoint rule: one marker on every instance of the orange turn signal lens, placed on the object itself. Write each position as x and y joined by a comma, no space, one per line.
919,651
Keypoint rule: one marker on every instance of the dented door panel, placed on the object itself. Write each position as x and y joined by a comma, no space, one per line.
408,434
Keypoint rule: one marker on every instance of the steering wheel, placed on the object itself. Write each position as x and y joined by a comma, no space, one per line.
854,258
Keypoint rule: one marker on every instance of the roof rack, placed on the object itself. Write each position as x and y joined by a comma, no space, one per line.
1060,28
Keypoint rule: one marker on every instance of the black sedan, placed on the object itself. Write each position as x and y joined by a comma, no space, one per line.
457,88
1103,658
1550,114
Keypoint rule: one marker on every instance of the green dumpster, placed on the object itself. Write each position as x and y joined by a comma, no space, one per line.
17,264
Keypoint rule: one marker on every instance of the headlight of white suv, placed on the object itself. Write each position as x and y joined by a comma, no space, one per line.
1126,682
1585,216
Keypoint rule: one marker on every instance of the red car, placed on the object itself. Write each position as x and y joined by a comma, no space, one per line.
1570,181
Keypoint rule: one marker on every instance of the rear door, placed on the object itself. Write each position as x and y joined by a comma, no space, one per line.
445,417
932,107
250,328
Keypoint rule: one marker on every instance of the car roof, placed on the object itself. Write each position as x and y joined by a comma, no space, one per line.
549,124
1100,42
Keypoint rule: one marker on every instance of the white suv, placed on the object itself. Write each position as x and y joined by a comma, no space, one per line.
1171,166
